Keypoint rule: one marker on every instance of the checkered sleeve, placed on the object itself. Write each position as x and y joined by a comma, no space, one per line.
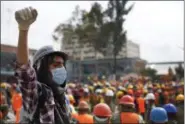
27,81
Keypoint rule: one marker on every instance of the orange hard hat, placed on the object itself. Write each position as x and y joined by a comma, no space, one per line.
126,100
83,105
130,92
166,93
102,110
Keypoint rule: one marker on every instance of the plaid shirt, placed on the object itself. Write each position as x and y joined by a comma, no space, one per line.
26,76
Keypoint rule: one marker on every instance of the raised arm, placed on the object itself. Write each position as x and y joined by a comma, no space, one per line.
25,18
24,72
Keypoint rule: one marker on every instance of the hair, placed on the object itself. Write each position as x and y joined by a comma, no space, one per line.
43,73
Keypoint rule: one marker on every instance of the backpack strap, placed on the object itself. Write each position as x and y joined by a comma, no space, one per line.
41,100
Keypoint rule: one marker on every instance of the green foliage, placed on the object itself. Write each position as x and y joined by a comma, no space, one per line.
179,71
149,72
96,27
116,13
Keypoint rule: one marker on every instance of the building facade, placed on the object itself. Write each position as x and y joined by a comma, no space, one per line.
81,69
86,52
8,57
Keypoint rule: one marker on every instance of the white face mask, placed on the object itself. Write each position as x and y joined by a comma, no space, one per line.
59,75
101,120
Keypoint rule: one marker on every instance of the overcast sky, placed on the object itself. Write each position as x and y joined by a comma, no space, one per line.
157,26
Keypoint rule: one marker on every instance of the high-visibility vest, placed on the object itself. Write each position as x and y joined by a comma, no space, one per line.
17,116
141,104
84,118
125,118
129,118
16,101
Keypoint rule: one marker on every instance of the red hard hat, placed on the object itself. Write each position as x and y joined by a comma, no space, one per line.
83,105
138,93
102,110
127,100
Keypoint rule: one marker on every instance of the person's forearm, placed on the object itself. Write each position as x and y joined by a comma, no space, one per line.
22,49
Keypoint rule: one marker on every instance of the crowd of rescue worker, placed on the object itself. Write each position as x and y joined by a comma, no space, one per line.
102,102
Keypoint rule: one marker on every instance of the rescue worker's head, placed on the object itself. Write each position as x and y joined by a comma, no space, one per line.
150,97
50,66
102,113
3,85
83,107
126,104
119,95
180,99
171,111
71,99
130,92
138,93
158,115
108,96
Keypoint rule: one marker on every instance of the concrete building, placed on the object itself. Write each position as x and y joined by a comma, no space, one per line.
81,69
85,52
8,57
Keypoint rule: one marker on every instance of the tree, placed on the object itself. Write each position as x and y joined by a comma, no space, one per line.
116,12
170,74
89,31
67,31
149,72
179,71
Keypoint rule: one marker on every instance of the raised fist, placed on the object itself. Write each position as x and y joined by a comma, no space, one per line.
25,17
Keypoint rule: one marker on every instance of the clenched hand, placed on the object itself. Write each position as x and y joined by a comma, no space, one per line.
25,17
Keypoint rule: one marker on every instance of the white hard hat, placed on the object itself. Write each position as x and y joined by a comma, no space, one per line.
150,96
98,91
109,93
86,90
46,50
107,84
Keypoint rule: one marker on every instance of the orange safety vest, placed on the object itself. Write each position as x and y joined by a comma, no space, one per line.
16,101
84,118
16,105
141,105
129,118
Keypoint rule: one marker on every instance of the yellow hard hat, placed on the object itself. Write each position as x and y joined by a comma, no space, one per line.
180,97
91,88
130,86
3,85
112,88
182,83
119,93
158,86
162,86
71,98
145,91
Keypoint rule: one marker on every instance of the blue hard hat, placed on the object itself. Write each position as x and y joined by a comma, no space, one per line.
158,115
170,108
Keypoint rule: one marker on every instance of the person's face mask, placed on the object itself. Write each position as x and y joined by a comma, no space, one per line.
101,120
59,75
